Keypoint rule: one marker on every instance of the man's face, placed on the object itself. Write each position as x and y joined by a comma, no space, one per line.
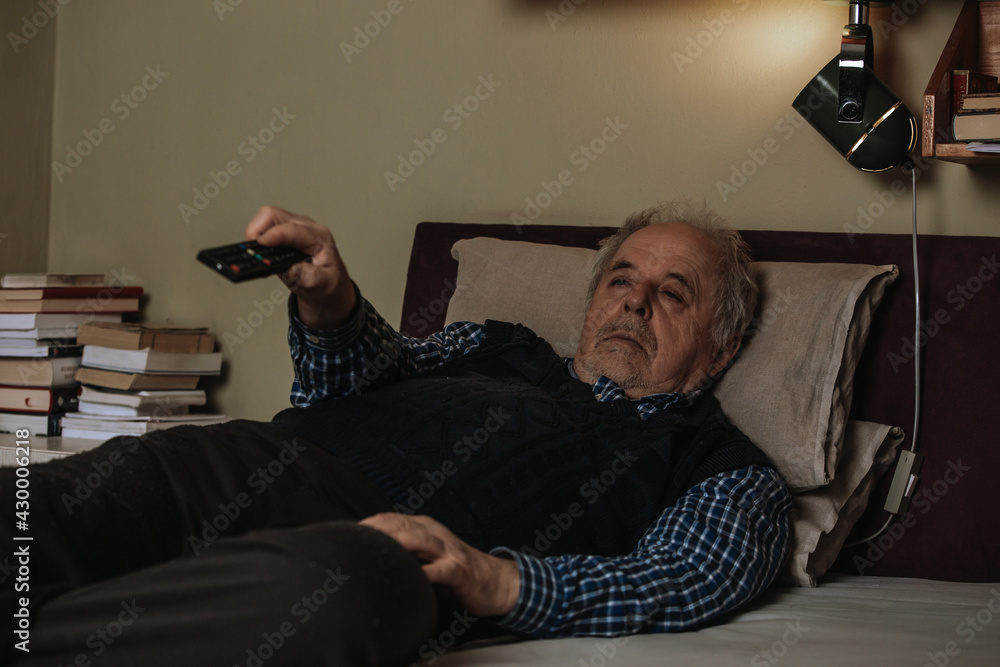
648,327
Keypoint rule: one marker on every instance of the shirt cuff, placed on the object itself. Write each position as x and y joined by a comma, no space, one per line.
537,600
331,339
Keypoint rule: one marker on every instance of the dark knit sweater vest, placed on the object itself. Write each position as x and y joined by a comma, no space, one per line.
505,448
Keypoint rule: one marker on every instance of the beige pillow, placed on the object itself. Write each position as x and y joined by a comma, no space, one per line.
541,286
793,383
823,518
790,390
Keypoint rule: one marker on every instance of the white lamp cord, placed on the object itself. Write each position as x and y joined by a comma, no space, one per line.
916,345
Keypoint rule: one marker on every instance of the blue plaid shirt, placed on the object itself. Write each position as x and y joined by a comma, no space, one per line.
720,545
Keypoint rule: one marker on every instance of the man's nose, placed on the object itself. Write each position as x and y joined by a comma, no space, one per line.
637,301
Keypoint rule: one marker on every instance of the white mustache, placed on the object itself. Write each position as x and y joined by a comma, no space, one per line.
636,328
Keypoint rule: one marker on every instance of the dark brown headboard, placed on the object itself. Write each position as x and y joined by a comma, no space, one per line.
953,533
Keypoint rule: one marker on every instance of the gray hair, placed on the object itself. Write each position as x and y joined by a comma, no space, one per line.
736,292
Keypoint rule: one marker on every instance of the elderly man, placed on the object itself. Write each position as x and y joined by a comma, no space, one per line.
611,495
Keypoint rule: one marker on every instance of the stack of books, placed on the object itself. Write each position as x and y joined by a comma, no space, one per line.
976,110
136,378
39,318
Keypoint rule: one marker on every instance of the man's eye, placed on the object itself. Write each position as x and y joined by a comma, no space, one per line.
619,281
672,295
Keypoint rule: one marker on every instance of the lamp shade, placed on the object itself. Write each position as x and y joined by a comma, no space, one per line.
884,138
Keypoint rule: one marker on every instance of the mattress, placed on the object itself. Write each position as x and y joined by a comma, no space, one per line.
848,620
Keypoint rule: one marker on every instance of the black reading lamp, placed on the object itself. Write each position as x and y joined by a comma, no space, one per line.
871,127
852,108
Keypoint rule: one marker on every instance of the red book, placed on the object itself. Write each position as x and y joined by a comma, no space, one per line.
97,292
37,399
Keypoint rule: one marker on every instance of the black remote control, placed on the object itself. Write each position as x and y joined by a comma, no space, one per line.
249,259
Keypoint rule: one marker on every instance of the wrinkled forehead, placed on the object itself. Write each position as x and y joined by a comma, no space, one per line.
670,247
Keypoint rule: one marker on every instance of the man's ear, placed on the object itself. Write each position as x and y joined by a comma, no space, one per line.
725,356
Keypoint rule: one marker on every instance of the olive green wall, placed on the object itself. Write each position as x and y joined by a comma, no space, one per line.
27,67
193,114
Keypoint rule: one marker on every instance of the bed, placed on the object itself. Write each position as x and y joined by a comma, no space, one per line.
825,385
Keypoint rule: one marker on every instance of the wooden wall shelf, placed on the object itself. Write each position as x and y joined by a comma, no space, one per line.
974,44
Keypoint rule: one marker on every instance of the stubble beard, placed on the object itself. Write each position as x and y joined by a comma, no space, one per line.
627,366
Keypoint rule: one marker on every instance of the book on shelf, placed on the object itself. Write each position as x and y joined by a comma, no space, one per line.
51,279
134,381
160,337
44,349
969,82
50,372
71,305
981,102
47,424
136,399
103,292
976,126
18,398
79,425
50,325
151,361
111,410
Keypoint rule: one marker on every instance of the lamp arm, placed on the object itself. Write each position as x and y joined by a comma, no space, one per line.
856,54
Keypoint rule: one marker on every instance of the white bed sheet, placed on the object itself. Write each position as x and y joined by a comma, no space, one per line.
847,620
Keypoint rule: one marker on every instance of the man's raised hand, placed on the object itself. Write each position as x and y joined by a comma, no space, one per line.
325,293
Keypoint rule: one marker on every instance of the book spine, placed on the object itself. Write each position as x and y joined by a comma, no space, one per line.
959,86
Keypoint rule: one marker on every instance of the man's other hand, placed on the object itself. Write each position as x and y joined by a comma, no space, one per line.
487,585
324,289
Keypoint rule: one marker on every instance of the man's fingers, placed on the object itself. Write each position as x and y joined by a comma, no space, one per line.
415,534
266,218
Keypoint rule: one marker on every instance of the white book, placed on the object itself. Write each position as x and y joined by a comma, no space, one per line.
79,425
24,347
68,322
152,361
25,341
136,399
110,410
52,280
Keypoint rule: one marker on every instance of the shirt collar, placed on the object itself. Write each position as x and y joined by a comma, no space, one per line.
606,389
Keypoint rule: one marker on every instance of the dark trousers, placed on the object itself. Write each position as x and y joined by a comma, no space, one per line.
234,544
